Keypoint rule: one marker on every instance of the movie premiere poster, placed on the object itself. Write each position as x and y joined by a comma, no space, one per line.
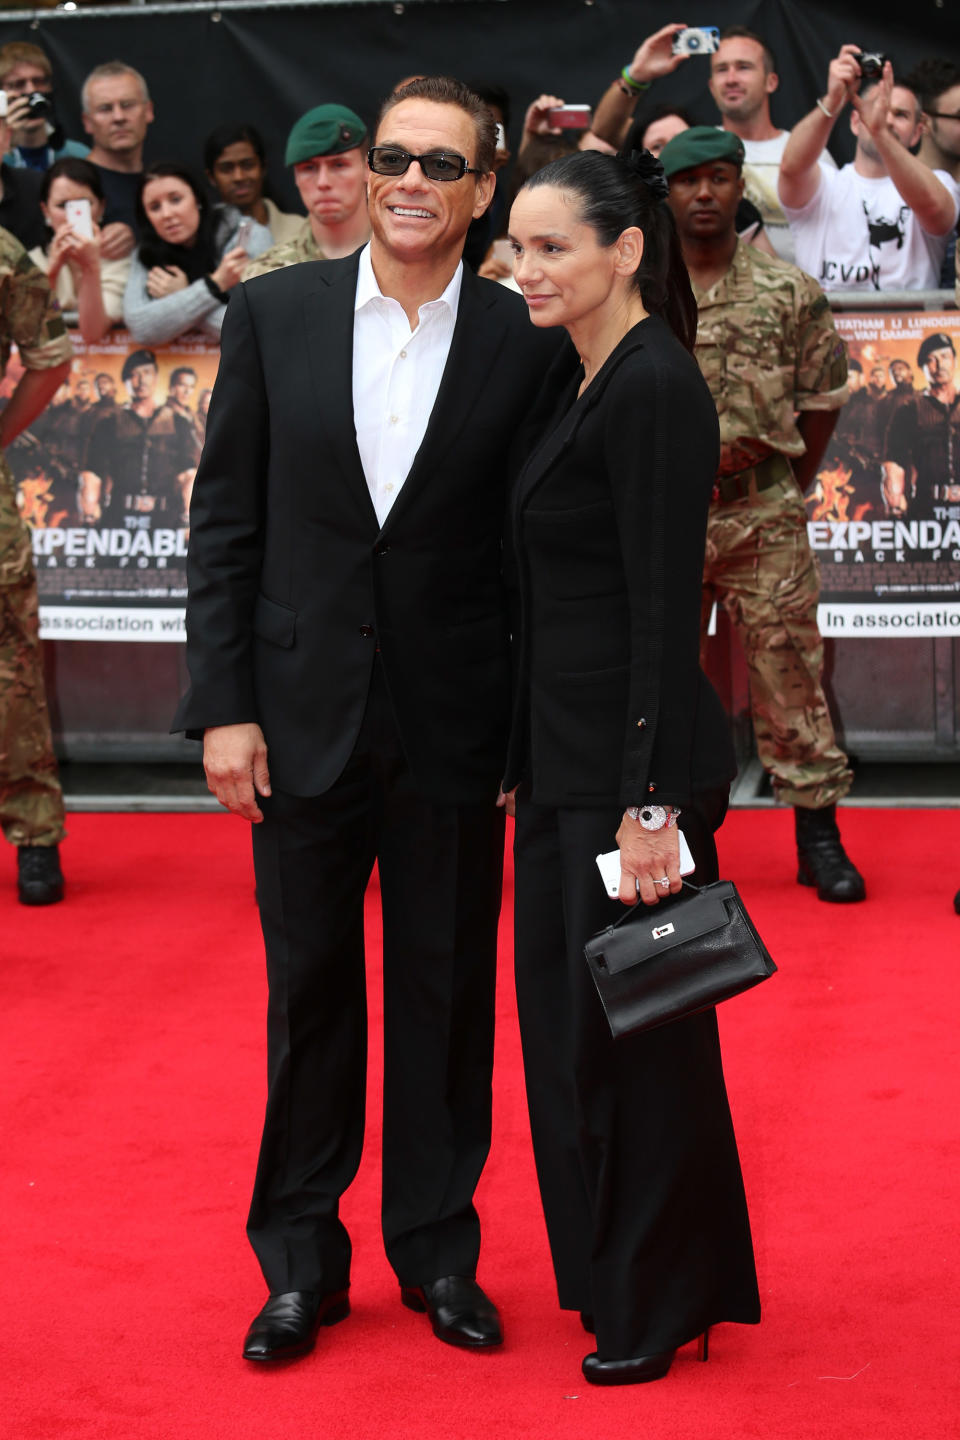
884,514
104,478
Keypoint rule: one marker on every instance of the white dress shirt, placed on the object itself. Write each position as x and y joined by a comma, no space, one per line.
396,376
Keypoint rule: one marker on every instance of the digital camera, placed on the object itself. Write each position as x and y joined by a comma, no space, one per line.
39,106
871,64
697,40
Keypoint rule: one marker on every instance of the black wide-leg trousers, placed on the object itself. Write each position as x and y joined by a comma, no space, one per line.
634,1144
440,881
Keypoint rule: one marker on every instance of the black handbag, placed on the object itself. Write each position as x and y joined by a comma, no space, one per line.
663,962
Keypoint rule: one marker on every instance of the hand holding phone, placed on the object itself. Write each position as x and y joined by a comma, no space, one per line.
570,117
79,217
609,866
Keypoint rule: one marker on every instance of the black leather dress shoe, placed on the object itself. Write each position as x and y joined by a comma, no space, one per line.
287,1325
39,877
459,1311
636,1371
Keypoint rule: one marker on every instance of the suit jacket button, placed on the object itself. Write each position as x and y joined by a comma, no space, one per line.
381,549
366,631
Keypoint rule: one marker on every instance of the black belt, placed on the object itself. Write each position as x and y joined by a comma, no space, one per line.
774,468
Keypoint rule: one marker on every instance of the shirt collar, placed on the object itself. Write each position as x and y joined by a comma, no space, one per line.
368,290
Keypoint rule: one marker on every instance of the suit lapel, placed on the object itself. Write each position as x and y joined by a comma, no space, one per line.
543,459
328,316
478,337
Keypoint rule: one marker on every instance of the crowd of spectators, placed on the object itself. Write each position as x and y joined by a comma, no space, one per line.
164,244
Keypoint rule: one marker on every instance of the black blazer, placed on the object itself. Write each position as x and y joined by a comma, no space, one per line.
292,584
608,529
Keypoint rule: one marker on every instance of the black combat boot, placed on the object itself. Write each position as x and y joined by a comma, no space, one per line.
823,860
39,877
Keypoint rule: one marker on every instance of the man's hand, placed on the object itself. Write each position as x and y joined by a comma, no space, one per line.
655,57
843,79
537,119
116,241
235,761
646,857
507,800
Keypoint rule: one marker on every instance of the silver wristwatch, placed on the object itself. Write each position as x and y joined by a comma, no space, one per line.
653,817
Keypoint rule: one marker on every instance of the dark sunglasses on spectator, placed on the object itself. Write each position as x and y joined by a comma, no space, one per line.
436,164
943,114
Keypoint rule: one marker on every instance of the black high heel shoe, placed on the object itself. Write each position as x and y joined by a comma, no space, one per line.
639,1369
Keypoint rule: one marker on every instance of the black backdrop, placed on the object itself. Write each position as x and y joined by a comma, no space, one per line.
267,64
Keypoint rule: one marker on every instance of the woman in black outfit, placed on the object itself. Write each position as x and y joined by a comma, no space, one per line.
616,733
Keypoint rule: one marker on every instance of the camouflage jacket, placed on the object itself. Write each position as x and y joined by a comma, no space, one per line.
30,319
288,252
767,346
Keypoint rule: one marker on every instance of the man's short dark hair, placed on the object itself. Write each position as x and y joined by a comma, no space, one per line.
444,90
740,32
929,79
181,370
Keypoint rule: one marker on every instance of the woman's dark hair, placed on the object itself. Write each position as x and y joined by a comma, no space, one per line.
71,167
226,135
615,192
194,260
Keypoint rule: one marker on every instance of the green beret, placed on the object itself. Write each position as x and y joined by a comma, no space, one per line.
698,146
325,130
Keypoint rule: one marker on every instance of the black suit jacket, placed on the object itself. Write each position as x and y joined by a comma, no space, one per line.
608,529
292,583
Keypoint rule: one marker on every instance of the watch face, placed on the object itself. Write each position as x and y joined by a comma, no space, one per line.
653,817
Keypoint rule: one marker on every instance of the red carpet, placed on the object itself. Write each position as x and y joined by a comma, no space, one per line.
134,1074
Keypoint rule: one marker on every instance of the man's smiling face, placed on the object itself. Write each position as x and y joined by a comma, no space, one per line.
411,216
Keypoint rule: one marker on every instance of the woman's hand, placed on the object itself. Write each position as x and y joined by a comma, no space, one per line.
230,270
646,858
83,256
165,280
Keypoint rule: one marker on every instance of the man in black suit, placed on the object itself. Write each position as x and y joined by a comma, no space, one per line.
346,620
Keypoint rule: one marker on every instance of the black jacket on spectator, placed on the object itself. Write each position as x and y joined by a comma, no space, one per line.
20,206
120,196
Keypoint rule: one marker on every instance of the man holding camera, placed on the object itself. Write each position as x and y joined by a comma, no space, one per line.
883,221
37,139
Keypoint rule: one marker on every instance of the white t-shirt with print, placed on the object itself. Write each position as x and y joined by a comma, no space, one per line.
761,171
857,234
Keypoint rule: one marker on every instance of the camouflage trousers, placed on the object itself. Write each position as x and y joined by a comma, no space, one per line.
760,567
31,803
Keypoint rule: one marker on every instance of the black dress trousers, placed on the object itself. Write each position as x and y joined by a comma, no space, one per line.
440,878
634,1145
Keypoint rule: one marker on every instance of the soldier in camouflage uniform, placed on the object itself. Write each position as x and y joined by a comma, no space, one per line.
327,150
767,346
31,804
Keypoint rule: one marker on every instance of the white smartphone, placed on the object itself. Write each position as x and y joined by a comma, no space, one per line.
243,232
3,103
79,218
609,866
503,251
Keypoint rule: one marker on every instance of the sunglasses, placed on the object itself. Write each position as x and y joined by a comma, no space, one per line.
436,164
943,114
